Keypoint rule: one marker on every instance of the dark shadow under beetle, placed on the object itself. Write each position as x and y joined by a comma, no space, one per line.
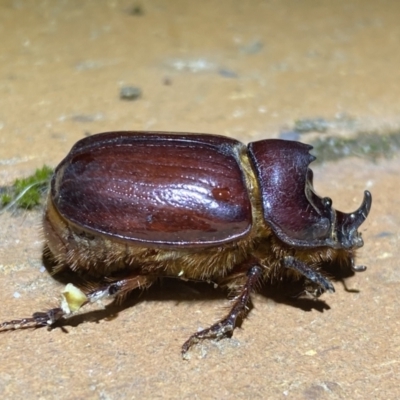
171,289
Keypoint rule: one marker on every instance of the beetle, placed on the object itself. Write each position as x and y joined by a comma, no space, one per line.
126,208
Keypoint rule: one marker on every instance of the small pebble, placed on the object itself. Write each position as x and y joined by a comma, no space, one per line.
130,93
227,73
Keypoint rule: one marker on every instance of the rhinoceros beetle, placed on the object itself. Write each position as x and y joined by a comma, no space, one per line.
126,208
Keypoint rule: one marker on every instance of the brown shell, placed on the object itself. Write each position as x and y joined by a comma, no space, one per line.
155,188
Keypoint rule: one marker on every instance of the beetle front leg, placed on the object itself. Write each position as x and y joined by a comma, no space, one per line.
227,324
322,283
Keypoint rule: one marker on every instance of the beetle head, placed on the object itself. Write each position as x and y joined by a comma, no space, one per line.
296,214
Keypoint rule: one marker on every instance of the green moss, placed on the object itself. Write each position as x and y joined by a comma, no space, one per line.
322,125
311,125
27,192
369,145
5,199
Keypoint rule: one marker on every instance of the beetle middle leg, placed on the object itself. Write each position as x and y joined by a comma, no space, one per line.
227,325
319,283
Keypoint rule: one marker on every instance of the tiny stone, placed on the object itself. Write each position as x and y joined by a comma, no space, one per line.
136,10
130,93
17,295
227,73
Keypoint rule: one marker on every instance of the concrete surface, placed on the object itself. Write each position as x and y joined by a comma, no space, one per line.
244,69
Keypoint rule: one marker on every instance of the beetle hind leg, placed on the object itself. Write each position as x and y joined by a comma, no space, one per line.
73,299
226,326
37,320
120,289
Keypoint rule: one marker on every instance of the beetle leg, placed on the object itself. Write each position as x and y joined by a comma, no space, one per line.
323,284
227,324
119,289
38,319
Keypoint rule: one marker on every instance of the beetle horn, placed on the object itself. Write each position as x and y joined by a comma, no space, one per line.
361,214
347,224
355,219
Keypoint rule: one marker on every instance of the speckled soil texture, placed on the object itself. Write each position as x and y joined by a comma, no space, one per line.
321,72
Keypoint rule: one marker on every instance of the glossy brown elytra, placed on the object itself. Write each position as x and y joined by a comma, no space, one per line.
126,208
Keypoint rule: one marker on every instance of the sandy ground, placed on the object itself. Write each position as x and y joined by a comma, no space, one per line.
244,69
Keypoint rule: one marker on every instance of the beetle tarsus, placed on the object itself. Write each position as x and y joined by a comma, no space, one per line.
38,319
226,326
311,291
323,283
49,317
